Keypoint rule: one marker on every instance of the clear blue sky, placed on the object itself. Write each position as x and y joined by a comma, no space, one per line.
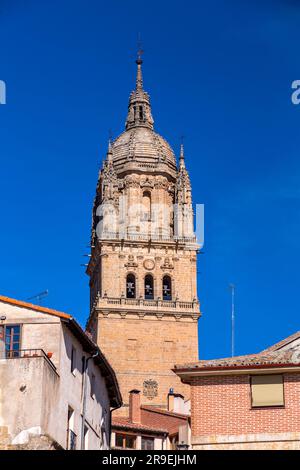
219,72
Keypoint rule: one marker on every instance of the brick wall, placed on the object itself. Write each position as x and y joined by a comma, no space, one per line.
221,405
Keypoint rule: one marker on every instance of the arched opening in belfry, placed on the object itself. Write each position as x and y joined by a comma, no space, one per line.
146,201
167,288
146,213
130,286
149,291
141,113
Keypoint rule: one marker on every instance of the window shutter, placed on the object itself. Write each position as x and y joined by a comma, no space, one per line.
267,390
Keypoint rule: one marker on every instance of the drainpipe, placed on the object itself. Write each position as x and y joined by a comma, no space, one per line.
84,398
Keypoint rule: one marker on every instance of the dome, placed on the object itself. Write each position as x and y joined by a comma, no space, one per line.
140,148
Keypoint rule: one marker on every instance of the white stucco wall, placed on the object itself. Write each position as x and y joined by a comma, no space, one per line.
33,395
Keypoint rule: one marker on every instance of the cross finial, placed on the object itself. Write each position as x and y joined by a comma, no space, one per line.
140,51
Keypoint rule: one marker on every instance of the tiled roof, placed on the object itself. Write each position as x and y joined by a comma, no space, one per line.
283,342
265,358
152,416
37,308
153,420
154,409
124,423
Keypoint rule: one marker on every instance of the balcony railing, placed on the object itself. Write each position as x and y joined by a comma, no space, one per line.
155,303
106,235
26,353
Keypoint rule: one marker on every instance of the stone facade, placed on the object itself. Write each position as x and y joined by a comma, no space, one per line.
144,306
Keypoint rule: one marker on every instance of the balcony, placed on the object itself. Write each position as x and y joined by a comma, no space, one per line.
156,306
26,354
153,237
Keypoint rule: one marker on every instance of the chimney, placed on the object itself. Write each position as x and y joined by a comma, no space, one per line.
171,399
134,406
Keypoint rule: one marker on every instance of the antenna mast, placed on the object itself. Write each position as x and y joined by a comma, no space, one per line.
39,297
232,287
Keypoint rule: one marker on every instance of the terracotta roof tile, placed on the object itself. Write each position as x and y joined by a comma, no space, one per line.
120,422
267,358
37,308
154,409
283,342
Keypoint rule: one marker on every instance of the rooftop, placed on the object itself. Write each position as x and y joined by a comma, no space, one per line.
274,356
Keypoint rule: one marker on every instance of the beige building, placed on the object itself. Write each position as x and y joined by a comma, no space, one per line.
57,389
143,293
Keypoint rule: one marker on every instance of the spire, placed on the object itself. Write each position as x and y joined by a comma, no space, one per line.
139,75
139,108
181,158
109,154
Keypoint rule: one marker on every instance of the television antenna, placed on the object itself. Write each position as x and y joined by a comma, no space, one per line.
38,297
232,287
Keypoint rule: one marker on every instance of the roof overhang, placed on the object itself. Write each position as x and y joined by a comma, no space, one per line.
188,374
107,371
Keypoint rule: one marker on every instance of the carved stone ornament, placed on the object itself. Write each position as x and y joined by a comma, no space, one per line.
150,389
131,262
167,264
146,183
149,264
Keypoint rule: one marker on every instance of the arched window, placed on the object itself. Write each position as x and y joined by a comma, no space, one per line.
130,286
167,288
146,203
149,294
141,113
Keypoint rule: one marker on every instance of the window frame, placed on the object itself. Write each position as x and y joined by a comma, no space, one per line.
271,406
124,436
171,288
135,285
147,438
73,360
152,284
12,351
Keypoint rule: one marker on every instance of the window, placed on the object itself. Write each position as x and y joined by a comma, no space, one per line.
146,206
12,340
125,441
267,390
141,113
82,373
86,437
147,443
93,380
167,288
149,294
71,436
174,442
73,360
130,286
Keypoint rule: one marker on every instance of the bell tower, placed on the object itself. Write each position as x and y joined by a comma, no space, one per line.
143,294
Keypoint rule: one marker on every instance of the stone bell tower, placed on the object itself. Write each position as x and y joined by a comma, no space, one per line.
143,293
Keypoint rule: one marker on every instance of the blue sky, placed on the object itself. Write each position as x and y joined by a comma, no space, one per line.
218,72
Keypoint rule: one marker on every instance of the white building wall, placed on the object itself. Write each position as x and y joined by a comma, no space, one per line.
44,402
